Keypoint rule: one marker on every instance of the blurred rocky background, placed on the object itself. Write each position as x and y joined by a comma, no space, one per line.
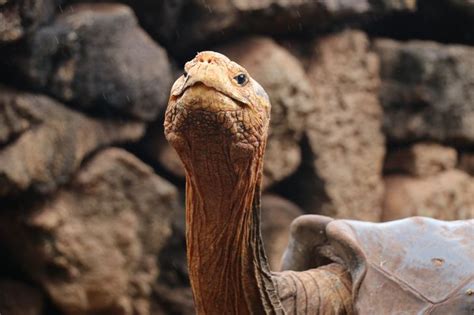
372,119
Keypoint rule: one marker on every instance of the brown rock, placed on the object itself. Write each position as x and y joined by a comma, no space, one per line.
210,20
97,58
162,19
17,298
446,196
43,143
427,91
421,159
344,152
291,96
93,246
277,215
466,163
20,17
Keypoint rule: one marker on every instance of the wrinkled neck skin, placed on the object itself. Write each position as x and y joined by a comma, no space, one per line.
218,125
217,120
227,265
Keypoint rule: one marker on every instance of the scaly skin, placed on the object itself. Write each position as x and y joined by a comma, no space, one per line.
217,120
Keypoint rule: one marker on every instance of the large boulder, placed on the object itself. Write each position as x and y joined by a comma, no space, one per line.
344,147
17,298
93,245
421,159
162,19
42,143
446,196
20,17
283,78
182,24
427,91
95,57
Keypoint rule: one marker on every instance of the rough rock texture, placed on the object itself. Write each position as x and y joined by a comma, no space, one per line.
291,96
343,157
421,159
277,215
201,21
427,90
93,246
162,19
42,143
96,57
466,163
17,298
20,17
447,196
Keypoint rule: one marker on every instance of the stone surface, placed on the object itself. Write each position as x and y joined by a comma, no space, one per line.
291,97
466,162
421,159
277,215
186,23
96,57
93,245
344,147
42,143
447,196
427,90
20,17
17,298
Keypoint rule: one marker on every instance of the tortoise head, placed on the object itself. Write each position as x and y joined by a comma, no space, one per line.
216,106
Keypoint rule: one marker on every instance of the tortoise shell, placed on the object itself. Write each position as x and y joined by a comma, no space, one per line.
411,266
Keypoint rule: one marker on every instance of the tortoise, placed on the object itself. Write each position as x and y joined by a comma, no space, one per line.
217,120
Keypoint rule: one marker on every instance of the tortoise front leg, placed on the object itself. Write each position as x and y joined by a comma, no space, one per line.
322,291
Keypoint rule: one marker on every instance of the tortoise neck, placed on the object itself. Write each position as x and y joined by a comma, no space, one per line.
227,265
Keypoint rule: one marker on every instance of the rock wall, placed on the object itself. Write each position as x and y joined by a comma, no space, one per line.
372,118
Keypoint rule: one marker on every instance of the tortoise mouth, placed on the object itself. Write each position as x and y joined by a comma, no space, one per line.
200,96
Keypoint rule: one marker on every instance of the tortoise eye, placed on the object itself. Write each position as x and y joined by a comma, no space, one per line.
241,79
